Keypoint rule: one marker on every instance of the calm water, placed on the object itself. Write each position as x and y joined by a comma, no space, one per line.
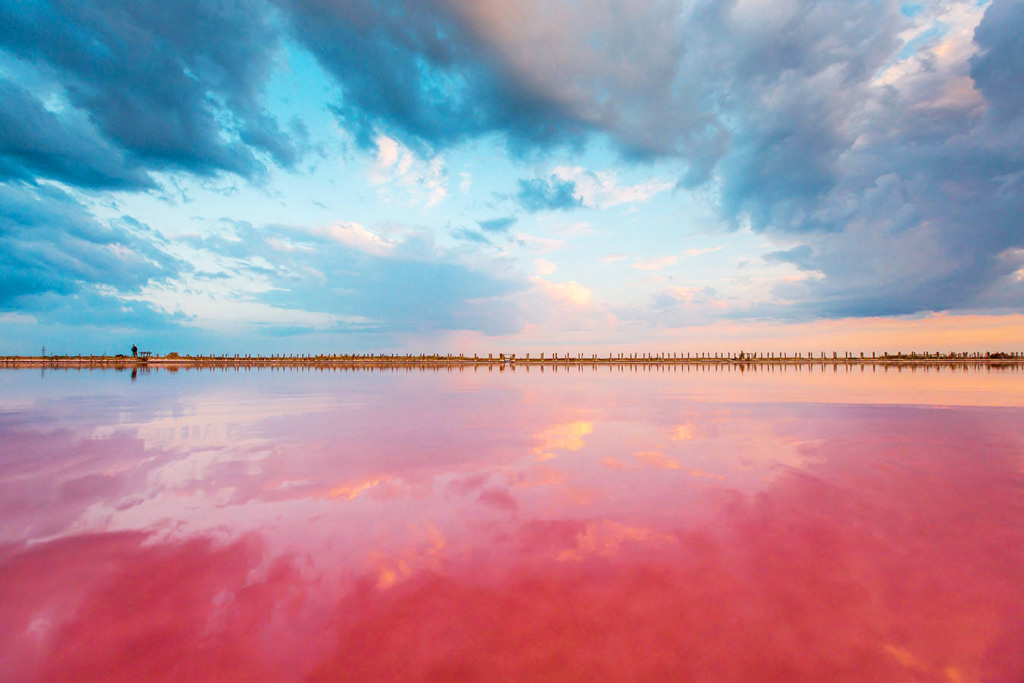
687,525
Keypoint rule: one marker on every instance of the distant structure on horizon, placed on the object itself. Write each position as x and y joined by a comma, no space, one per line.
741,358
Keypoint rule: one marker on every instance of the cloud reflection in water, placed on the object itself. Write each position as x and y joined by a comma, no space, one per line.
403,526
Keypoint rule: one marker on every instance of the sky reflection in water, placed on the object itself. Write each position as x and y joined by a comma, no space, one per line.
698,525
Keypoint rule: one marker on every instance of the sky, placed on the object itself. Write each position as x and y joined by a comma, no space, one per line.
268,176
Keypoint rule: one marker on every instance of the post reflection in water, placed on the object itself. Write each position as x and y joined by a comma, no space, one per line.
694,525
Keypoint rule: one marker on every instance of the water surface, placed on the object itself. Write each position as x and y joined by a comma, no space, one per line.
686,524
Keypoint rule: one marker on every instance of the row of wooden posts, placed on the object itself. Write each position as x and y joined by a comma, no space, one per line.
740,356
554,356
503,357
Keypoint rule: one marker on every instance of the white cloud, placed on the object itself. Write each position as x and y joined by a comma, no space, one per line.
358,237
540,244
436,182
936,75
17,318
399,174
601,189
387,157
286,246
570,293
544,267
690,253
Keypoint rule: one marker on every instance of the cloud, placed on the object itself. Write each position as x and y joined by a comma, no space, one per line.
552,310
142,87
542,245
391,158
801,256
360,280
544,267
422,73
654,77
52,245
17,319
999,66
467,235
683,432
847,127
690,253
678,306
565,436
601,189
111,313
571,293
553,194
882,148
671,295
37,142
897,187
358,237
420,181
498,224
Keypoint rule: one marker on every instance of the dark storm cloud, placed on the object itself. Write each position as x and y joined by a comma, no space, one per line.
776,103
553,194
766,101
925,212
900,197
163,85
658,78
36,142
51,244
956,244
791,90
415,70
999,70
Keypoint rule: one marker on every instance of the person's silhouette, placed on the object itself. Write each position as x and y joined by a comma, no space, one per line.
135,351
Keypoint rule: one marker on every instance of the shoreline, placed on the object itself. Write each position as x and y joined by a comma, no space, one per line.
502,360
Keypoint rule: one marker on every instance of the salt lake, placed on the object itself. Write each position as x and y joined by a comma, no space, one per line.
620,522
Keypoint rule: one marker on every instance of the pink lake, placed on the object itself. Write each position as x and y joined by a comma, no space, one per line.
649,524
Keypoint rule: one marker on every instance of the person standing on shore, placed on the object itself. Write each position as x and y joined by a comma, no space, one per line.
135,351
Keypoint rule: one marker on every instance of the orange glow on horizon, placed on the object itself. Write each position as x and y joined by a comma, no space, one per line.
936,332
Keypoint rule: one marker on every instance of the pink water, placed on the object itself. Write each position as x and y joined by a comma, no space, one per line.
674,525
